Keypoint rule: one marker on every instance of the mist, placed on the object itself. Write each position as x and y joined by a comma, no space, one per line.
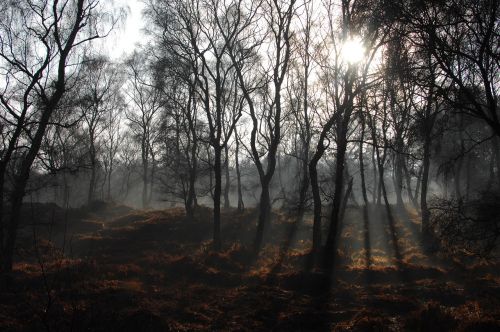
245,165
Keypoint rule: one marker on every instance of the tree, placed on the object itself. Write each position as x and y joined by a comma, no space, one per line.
38,40
342,82
266,121
180,132
113,136
300,99
146,101
99,97
200,34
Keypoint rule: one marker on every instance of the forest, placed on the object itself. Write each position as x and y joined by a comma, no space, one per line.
252,165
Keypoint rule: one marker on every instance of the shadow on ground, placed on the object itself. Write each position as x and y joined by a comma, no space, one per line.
107,267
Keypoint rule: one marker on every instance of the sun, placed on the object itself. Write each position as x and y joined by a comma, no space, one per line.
353,50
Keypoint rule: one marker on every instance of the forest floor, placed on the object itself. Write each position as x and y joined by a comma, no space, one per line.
111,268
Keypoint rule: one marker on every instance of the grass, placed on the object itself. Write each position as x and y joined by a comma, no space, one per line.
155,271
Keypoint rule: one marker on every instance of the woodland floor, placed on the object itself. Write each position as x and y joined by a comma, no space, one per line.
133,270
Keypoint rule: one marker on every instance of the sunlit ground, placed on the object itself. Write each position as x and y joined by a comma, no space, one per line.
129,270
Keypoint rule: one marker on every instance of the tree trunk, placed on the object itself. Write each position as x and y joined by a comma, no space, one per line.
217,195
313,176
191,199
227,182
190,202
411,194
109,178
152,180
361,162
347,194
241,205
424,186
20,181
144,184
93,167
264,215
375,176
398,174
419,183
304,187
338,192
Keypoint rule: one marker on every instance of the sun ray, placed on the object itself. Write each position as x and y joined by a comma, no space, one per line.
353,50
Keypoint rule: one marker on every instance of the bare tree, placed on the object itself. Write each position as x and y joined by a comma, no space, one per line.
99,96
38,40
113,135
300,99
343,82
145,100
267,120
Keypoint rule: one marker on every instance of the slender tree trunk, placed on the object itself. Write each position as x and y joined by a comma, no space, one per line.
338,192
191,199
4,265
265,178
384,191
381,171
93,175
145,168
227,182
425,181
459,163
304,187
217,195
20,181
313,178
419,183
193,170
347,194
127,185
382,187
109,178
375,176
361,162
144,188
398,175
429,119
264,214
241,205
103,185
152,180
426,172
379,189
411,195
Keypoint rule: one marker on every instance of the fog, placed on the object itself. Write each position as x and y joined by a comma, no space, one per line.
249,165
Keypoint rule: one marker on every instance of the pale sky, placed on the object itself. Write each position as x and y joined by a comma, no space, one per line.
123,40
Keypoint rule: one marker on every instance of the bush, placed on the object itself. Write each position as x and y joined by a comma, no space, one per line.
468,227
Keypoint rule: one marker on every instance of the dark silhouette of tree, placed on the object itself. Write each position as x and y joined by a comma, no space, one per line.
99,96
146,102
39,39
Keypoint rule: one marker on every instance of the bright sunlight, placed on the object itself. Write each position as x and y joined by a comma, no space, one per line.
353,50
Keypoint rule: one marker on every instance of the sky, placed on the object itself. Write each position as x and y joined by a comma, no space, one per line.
122,41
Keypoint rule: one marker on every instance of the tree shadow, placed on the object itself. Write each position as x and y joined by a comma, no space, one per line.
286,245
366,237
